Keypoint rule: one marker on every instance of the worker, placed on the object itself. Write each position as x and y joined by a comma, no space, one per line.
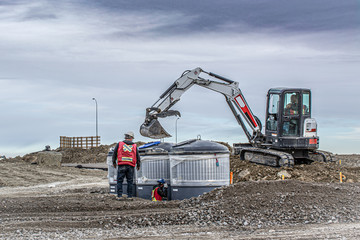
159,191
126,157
292,107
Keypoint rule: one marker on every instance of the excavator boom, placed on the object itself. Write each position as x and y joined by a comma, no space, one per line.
230,89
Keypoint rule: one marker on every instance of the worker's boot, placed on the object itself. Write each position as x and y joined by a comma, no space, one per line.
121,198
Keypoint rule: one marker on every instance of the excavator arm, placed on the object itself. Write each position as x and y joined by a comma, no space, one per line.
230,89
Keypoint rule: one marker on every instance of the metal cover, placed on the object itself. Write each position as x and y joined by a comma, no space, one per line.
156,148
197,146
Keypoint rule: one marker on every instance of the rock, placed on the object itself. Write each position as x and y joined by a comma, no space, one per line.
101,157
244,173
284,173
49,158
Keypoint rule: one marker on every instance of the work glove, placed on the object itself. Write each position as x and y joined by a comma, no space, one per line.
114,166
165,185
138,167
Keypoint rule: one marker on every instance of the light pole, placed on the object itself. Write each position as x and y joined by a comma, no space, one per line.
96,117
176,129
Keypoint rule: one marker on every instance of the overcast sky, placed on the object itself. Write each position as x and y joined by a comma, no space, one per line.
55,56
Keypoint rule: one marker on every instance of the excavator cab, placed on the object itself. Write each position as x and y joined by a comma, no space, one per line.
289,126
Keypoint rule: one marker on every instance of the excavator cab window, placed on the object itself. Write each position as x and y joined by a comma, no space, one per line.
306,103
272,121
291,104
291,114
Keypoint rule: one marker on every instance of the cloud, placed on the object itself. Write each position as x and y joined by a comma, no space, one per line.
72,33
56,56
352,134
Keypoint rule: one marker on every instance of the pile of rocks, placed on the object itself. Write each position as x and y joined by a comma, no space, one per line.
314,172
258,205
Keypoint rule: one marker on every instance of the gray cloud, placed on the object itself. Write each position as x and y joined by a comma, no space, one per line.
293,16
55,57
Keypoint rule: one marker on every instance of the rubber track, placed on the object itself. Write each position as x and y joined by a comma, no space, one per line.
327,156
284,159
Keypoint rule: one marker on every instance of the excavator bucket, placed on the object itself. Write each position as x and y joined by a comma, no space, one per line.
153,130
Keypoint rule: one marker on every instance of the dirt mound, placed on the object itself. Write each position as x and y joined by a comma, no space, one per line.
73,155
78,155
257,205
92,155
271,203
314,172
349,160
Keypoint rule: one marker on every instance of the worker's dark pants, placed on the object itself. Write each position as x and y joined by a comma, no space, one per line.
128,172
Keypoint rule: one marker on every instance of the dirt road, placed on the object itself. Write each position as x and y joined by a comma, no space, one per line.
38,202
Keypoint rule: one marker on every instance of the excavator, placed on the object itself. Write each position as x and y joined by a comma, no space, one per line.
290,133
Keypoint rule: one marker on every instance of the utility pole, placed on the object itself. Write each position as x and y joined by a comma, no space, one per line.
176,129
96,117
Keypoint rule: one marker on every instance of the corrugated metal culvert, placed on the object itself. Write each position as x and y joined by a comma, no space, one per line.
198,166
190,168
155,164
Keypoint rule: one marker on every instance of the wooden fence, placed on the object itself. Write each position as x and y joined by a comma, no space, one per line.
79,142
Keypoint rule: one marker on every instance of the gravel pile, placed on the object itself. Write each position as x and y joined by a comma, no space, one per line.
280,202
259,205
314,172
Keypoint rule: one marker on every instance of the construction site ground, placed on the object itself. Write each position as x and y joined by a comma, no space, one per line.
44,202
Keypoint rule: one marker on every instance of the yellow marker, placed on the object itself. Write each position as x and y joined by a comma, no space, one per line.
340,161
341,177
283,177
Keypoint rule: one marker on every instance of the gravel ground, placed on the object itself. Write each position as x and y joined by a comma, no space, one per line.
38,202
273,210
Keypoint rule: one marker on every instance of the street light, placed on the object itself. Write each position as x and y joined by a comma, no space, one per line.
176,129
96,117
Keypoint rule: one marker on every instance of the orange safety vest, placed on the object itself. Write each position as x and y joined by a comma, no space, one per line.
155,195
126,154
